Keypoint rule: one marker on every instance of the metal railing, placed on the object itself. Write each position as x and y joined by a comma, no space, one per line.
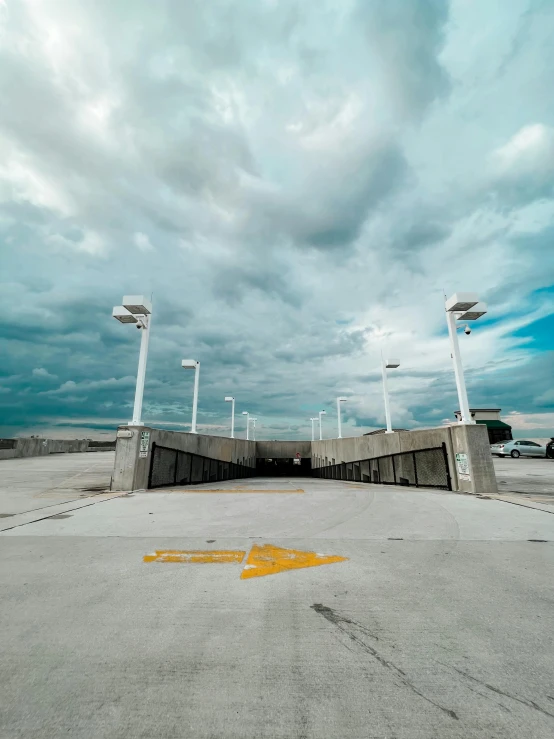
426,468
174,467
107,446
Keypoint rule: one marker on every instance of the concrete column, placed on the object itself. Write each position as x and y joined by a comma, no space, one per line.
473,442
131,470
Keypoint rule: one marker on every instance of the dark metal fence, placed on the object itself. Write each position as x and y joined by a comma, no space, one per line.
174,467
425,468
107,446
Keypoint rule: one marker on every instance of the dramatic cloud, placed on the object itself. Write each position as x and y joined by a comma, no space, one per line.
405,41
524,167
294,185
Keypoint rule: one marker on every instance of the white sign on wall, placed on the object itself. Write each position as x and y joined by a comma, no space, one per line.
462,465
144,443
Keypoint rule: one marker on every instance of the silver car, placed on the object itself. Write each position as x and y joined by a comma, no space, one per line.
519,448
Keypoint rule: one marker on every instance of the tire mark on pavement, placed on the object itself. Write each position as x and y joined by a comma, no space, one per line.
342,518
61,502
53,515
348,626
523,701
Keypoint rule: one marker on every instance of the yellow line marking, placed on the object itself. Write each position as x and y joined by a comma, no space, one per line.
269,560
195,556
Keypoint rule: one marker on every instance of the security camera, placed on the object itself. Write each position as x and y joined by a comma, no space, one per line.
467,330
138,325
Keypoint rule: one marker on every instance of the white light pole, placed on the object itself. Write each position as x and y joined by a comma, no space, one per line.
387,364
193,364
462,307
229,399
253,419
313,420
137,310
245,413
321,413
339,401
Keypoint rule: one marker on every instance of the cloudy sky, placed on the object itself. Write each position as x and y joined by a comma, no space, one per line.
296,182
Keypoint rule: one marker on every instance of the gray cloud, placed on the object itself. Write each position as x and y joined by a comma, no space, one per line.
290,168
522,170
338,196
405,40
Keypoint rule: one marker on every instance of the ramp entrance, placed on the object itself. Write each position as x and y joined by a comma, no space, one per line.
283,467
453,457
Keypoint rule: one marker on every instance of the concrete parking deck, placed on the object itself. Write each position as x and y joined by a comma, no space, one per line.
530,476
37,482
437,621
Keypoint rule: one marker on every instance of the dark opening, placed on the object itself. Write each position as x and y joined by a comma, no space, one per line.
283,467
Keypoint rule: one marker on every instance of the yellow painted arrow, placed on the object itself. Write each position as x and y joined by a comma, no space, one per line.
264,559
269,560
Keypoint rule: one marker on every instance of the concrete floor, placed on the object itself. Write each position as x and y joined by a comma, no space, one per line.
37,482
526,475
439,624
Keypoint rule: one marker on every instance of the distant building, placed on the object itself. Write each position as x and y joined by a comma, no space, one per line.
490,417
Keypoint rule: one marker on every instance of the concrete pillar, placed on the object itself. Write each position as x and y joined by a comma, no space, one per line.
473,459
130,468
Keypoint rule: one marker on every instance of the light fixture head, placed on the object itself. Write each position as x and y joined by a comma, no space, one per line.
392,363
122,314
137,304
461,302
322,413
189,364
245,413
342,400
228,399
478,310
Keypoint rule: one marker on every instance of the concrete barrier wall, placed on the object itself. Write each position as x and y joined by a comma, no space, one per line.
42,447
132,465
378,445
131,470
283,449
471,440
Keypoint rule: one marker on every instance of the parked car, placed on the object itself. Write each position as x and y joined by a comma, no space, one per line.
519,448
550,449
